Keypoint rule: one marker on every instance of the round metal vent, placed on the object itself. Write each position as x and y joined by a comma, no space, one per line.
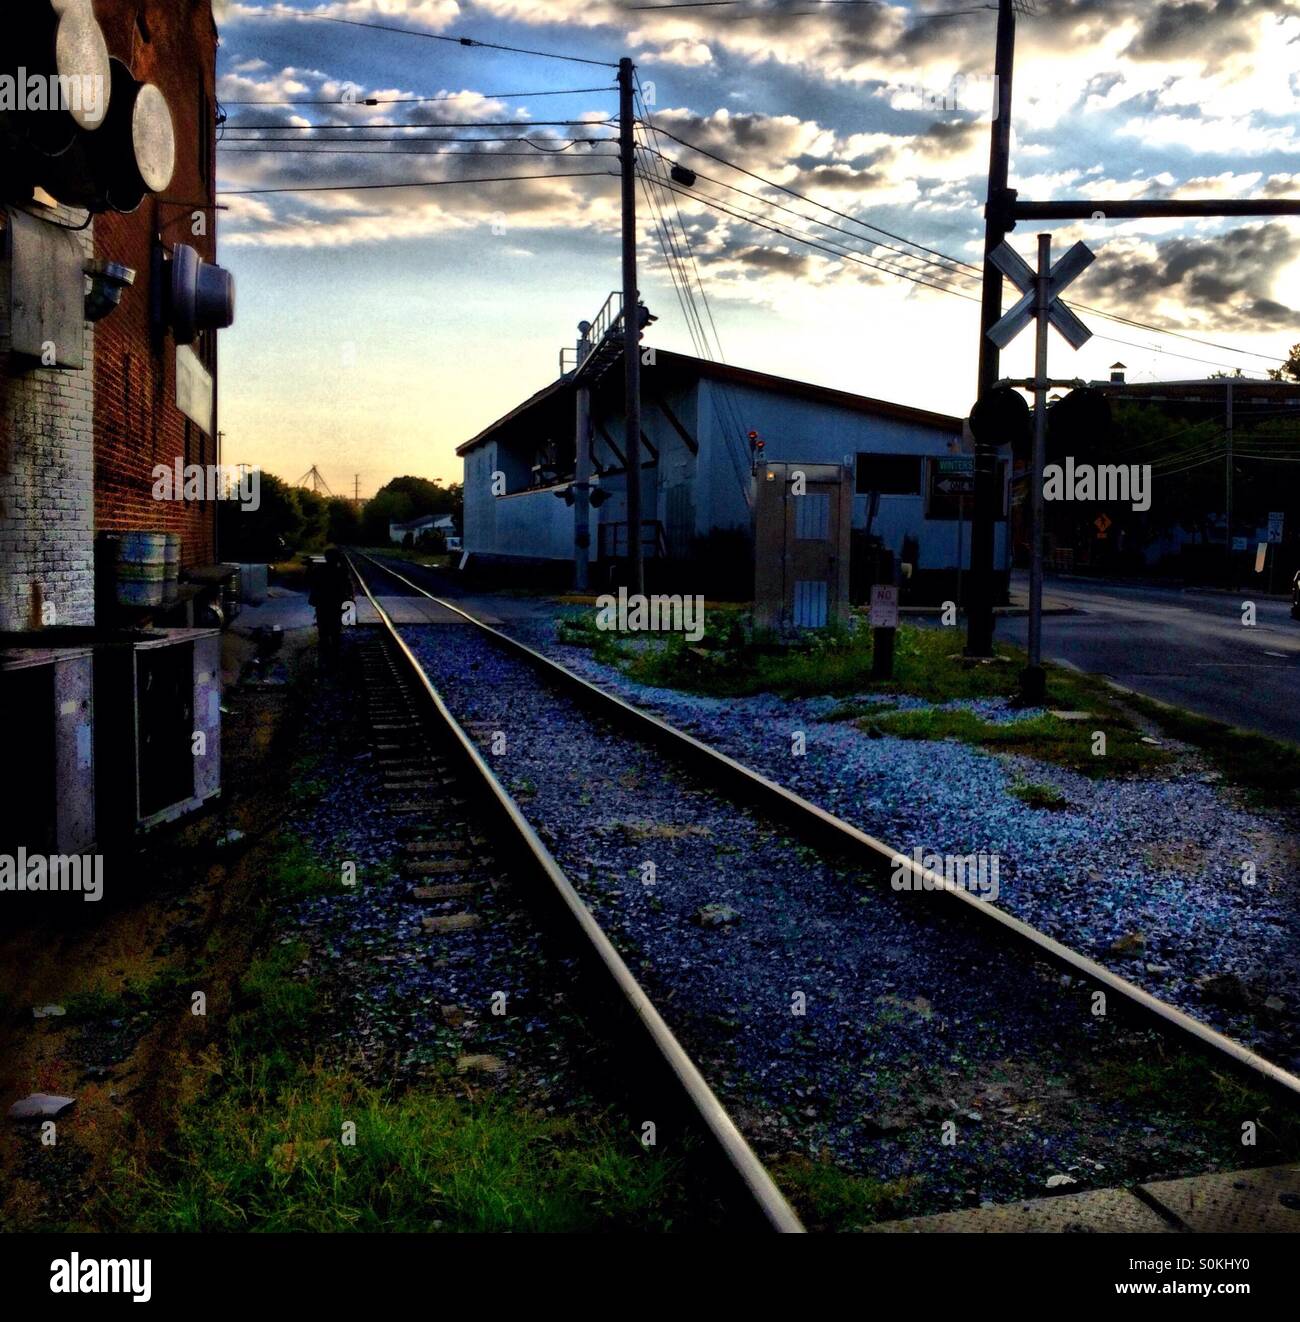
81,57
153,137
54,50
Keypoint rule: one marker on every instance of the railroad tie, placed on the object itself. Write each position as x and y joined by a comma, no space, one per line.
452,890
443,867
450,922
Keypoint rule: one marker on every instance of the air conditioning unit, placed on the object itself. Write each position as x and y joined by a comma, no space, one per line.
157,727
46,695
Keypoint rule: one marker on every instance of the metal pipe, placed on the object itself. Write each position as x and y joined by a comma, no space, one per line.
1171,208
1034,674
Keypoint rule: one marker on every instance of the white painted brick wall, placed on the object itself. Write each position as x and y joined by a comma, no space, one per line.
47,467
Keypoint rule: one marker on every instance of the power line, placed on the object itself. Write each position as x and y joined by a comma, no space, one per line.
437,124
421,100
780,206
409,148
414,183
1082,307
838,251
361,151
728,403
430,36
770,183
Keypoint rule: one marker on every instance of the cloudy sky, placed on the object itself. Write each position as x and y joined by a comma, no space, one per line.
380,327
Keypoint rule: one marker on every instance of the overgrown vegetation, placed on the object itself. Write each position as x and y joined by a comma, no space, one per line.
1267,769
268,1148
1038,795
1177,1083
828,1198
1045,736
733,659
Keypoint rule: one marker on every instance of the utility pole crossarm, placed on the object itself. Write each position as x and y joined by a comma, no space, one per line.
1168,209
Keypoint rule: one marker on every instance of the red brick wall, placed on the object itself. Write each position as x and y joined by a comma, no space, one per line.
171,43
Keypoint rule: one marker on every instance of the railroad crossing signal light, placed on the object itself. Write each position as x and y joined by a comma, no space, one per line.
1001,417
1081,421
756,445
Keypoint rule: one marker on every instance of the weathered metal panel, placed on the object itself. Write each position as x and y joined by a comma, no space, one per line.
47,292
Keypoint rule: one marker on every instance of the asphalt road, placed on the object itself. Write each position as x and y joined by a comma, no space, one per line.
1181,646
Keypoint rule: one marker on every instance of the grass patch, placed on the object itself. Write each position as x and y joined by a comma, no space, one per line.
827,1197
266,1148
1038,795
1267,769
296,872
1182,1084
581,631
1046,737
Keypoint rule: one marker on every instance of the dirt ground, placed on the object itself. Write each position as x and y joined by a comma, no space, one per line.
125,972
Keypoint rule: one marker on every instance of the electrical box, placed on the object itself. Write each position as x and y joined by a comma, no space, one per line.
158,728
803,518
46,706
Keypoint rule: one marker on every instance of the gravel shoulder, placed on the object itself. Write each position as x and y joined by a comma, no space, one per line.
1147,874
836,1020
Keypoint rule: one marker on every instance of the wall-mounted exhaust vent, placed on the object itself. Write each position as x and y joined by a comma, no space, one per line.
200,296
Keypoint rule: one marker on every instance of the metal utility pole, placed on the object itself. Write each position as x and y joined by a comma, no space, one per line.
1033,684
582,471
631,328
997,224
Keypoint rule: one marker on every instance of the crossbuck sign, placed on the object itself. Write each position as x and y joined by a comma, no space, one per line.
1021,274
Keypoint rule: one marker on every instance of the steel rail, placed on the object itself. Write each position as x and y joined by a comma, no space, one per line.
701,1100
822,826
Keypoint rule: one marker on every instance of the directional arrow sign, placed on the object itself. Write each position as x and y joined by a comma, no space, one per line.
1021,274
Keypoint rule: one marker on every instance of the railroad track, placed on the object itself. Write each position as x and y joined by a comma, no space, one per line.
428,763
590,770
822,828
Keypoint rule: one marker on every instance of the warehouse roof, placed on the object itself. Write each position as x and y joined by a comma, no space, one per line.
685,364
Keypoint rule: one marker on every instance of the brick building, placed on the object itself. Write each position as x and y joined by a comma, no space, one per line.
173,45
110,303
80,435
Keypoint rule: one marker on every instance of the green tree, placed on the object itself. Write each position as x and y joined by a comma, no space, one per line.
1290,370
269,533
406,498
315,516
344,525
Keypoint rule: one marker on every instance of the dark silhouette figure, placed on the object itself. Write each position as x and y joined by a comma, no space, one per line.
331,587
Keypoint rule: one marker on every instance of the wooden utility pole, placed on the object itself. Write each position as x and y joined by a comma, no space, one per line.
1227,532
631,327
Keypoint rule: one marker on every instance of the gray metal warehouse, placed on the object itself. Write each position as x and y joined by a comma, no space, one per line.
706,426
